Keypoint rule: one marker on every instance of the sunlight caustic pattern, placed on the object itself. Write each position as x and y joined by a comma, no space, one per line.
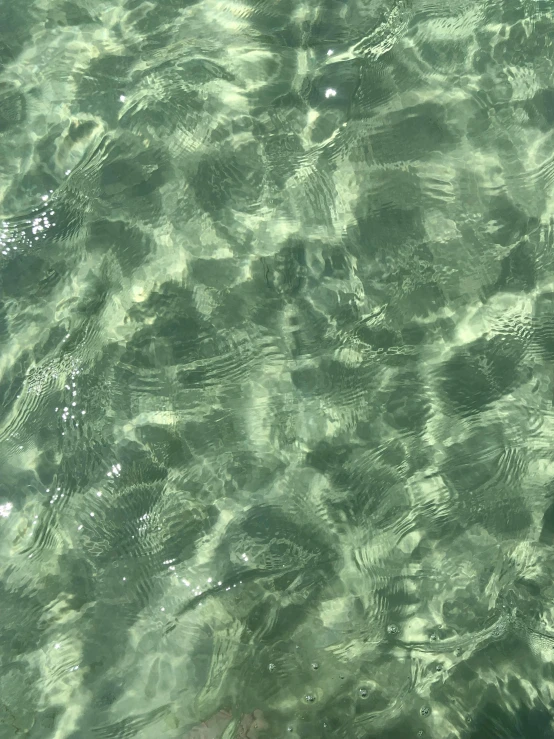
276,353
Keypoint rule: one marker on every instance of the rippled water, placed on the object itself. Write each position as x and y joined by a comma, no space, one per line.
276,369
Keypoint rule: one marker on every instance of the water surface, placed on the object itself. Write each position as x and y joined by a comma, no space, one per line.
276,368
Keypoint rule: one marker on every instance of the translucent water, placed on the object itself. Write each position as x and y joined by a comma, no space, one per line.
276,369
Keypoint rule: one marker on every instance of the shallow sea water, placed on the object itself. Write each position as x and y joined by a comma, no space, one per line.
276,369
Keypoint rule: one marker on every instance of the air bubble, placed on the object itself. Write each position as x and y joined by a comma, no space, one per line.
315,665
392,629
271,667
433,637
290,729
425,711
420,733
309,698
364,692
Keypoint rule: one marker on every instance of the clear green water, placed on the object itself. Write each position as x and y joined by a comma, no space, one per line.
277,368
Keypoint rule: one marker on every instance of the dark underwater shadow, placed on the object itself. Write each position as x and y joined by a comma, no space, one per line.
495,722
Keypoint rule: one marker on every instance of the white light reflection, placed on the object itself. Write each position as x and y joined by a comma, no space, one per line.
198,589
33,230
5,509
68,411
115,471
